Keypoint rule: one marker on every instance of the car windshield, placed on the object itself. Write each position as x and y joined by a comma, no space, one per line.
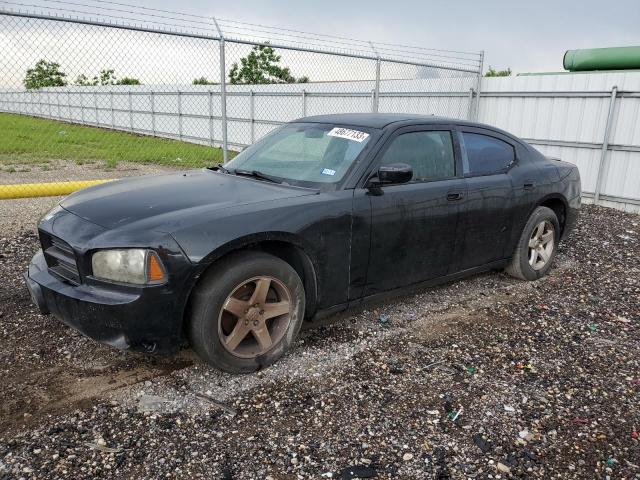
305,154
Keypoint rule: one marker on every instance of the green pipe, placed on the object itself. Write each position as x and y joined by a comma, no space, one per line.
615,58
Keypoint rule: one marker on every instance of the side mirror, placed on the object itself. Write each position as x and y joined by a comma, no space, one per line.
394,173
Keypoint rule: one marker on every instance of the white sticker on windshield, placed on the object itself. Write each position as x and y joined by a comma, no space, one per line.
354,135
328,171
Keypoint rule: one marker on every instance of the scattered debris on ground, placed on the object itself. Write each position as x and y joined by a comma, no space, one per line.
488,377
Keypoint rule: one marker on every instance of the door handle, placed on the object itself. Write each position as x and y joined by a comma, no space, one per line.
454,196
528,185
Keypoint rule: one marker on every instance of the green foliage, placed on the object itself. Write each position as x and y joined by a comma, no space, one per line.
106,77
28,141
128,81
83,81
261,66
497,73
44,74
203,81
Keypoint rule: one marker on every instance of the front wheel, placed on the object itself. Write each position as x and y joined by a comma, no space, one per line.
246,312
536,247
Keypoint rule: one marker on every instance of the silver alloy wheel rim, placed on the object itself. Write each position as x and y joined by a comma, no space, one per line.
255,316
541,245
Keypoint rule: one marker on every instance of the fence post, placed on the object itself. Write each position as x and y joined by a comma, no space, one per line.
252,116
602,164
113,113
304,102
376,89
130,111
211,130
479,86
179,114
153,112
95,106
223,94
470,112
81,106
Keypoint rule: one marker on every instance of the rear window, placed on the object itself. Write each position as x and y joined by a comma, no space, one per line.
487,155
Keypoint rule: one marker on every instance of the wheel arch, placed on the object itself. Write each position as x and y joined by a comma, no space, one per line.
559,205
556,202
286,246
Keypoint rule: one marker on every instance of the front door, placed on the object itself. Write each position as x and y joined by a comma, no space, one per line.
413,225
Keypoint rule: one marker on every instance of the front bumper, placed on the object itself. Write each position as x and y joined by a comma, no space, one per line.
143,319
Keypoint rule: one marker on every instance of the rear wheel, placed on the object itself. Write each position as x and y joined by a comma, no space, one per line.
246,312
536,247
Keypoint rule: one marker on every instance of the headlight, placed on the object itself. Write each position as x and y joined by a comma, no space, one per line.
133,265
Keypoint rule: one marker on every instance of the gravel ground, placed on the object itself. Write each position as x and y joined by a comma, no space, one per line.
483,378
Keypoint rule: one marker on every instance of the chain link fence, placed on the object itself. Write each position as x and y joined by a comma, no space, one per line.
122,90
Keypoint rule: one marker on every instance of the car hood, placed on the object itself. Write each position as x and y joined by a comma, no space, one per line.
123,202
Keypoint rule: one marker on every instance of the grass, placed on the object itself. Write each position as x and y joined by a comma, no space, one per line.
30,141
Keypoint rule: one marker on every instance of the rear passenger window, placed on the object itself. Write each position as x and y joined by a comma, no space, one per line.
487,155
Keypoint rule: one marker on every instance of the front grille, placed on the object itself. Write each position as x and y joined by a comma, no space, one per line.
60,258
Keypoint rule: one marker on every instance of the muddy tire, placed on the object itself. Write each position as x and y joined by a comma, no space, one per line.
536,247
246,311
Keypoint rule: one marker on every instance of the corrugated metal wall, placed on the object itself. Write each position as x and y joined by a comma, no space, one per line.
565,116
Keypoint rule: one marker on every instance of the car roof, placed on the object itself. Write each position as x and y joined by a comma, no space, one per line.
379,120
382,120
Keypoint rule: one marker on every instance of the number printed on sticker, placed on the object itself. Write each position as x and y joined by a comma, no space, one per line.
355,135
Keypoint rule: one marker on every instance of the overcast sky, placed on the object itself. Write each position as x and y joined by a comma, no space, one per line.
526,36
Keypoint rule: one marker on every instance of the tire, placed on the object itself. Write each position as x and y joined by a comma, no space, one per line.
236,301
534,255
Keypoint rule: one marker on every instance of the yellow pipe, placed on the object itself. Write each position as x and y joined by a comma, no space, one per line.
54,189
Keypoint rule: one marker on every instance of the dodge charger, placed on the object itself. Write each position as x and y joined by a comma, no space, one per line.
323,214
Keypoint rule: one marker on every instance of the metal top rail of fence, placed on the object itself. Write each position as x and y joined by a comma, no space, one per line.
168,89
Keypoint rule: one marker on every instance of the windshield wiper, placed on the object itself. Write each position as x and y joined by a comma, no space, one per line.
220,168
258,174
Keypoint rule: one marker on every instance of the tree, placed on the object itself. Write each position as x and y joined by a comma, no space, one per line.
261,66
128,81
44,74
497,73
203,81
83,81
107,77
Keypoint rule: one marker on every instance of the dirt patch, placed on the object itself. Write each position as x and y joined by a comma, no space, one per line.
61,389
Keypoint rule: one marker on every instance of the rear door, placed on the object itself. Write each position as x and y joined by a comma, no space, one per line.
413,225
485,221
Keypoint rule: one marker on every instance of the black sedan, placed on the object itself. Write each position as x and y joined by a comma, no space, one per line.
323,214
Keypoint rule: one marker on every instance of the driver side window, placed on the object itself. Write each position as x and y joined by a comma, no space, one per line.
430,154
